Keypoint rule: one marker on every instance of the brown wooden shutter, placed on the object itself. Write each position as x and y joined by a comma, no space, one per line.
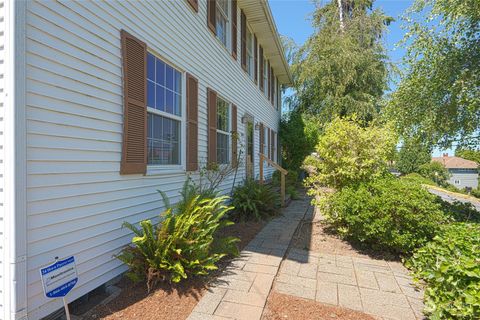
234,136
269,81
193,4
212,126
243,22
261,68
211,15
272,84
255,58
269,143
234,29
261,138
272,143
134,147
192,123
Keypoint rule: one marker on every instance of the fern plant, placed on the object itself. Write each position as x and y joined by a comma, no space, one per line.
183,244
256,201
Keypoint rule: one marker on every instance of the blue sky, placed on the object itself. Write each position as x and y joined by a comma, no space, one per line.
293,19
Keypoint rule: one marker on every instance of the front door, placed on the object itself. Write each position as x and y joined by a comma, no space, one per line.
249,129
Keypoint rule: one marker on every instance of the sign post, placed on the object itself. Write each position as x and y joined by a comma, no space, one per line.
58,279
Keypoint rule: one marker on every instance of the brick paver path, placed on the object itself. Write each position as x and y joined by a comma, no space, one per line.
380,288
242,291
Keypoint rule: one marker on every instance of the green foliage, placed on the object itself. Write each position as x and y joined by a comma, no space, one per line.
181,245
298,136
342,71
438,97
389,214
476,193
417,178
435,171
256,201
411,156
348,154
460,211
450,266
292,192
469,154
291,179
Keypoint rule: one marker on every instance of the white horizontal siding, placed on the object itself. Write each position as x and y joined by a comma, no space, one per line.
76,198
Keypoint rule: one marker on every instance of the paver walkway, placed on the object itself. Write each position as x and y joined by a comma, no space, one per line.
242,291
380,288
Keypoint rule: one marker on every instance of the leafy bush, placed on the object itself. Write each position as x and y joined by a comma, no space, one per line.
450,267
292,191
291,179
475,193
389,214
348,153
298,136
256,201
417,178
435,171
183,244
460,211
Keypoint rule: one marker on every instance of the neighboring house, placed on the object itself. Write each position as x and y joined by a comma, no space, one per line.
103,103
464,173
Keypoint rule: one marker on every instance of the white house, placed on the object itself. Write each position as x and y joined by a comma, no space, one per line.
103,103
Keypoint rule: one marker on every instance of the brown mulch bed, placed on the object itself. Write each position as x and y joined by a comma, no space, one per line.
318,236
168,301
281,306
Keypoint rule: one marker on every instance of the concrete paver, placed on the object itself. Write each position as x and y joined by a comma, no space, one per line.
383,289
241,291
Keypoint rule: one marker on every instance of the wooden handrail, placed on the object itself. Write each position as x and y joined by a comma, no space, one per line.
283,173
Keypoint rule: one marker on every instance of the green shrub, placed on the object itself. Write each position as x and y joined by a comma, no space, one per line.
460,211
291,179
183,244
417,178
450,267
349,153
476,193
256,201
388,214
292,192
435,171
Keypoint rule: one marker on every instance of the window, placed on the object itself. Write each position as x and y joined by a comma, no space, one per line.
164,101
222,20
223,131
265,76
250,56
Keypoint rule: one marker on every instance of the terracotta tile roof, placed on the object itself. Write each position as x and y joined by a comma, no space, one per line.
455,162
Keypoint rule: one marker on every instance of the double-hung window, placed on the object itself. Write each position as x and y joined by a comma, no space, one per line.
222,23
164,110
250,61
223,131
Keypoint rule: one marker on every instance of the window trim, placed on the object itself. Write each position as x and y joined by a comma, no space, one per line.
265,76
228,26
227,133
156,169
251,71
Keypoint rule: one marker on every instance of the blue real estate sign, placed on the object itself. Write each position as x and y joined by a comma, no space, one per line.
59,278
